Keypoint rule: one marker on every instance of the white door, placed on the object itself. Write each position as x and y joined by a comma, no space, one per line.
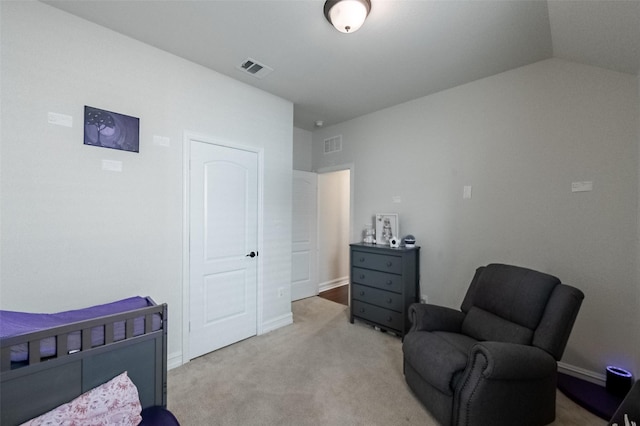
304,233
223,246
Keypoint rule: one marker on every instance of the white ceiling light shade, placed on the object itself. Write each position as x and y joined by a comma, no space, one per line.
347,15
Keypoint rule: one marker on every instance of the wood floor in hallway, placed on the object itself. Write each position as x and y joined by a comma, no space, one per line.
338,295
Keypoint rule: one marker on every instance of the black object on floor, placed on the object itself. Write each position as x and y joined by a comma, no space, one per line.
588,395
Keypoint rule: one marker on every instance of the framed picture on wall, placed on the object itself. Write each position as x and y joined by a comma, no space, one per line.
386,227
111,130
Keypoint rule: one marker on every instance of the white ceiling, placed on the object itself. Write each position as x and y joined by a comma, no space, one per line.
405,50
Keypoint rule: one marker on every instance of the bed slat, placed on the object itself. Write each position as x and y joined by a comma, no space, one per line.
129,327
108,333
148,323
34,351
61,344
86,339
5,358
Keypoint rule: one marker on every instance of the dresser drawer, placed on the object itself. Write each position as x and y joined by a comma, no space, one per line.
384,317
379,262
376,297
377,279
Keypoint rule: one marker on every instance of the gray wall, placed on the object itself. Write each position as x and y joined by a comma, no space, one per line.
519,139
72,234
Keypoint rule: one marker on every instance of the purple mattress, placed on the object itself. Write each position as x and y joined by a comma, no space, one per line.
19,323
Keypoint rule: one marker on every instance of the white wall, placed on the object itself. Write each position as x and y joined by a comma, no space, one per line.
302,140
519,139
333,228
74,235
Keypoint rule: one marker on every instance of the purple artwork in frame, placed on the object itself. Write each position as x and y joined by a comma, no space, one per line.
111,130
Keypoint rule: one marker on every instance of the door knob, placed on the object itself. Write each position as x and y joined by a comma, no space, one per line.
252,254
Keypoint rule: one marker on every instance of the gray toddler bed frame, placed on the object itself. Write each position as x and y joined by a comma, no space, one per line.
39,385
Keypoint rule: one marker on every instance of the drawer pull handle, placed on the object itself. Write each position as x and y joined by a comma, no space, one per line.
389,319
389,264
390,300
389,282
362,293
362,276
361,310
362,259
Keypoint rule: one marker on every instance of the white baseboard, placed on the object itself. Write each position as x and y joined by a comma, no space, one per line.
276,323
338,282
581,373
174,360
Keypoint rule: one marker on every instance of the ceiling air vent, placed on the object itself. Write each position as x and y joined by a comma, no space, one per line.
333,144
255,68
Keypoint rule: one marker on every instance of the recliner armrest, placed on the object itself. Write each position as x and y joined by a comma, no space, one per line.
425,317
504,380
510,361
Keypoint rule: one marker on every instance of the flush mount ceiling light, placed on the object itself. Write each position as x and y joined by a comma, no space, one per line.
347,15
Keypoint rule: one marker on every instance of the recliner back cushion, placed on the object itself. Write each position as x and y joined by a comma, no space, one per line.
505,303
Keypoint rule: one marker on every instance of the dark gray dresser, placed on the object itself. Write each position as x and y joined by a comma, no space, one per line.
384,282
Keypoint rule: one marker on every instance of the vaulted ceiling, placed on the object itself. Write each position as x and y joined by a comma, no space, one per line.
405,50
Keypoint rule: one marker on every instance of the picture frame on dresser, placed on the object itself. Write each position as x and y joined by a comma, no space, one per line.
387,226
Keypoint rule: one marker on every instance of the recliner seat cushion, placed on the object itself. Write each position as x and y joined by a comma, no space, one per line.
438,357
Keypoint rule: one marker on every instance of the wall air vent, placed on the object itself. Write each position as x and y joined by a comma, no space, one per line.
333,144
254,68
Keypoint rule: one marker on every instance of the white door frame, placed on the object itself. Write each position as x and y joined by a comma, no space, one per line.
186,178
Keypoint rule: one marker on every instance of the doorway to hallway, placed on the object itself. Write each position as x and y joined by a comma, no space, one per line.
334,227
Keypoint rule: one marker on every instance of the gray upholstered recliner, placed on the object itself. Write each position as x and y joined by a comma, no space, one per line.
494,362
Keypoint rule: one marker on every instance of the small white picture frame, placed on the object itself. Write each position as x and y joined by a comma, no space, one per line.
386,227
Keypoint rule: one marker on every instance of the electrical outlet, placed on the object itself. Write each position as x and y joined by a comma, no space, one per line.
424,298
281,292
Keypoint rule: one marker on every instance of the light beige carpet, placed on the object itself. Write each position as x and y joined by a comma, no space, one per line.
321,370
